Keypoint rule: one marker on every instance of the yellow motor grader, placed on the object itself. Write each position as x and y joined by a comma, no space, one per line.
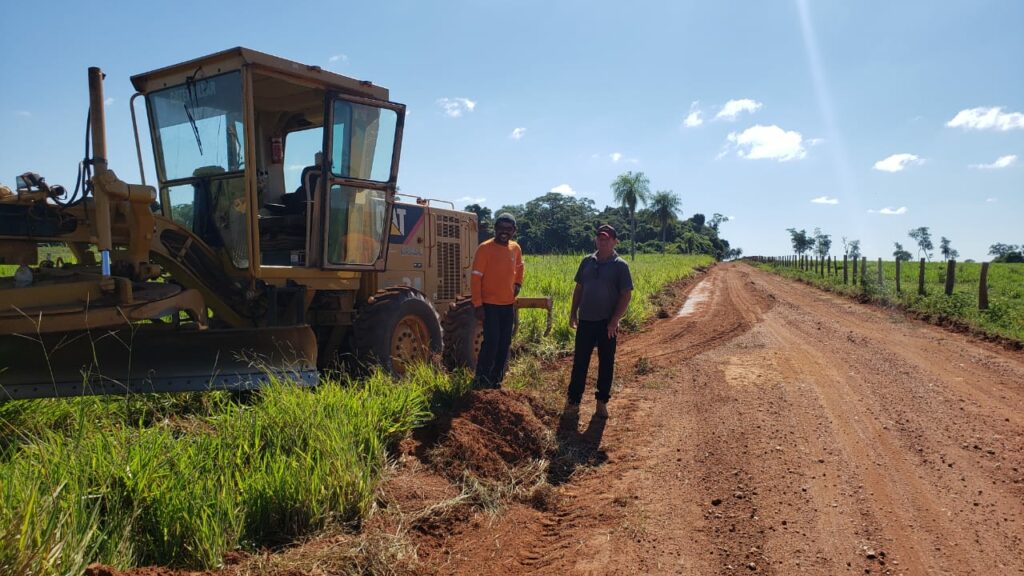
272,243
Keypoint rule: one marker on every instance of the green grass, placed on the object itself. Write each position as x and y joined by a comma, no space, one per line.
553,276
1005,316
145,480
181,479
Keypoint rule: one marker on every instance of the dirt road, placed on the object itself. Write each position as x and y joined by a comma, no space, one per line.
778,429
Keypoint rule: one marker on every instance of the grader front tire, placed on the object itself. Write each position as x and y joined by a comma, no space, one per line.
396,329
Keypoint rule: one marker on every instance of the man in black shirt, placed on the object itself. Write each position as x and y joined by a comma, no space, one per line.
604,287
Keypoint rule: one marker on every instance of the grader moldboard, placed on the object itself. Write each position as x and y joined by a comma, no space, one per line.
241,264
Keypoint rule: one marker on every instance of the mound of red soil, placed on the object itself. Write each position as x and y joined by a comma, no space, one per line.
493,431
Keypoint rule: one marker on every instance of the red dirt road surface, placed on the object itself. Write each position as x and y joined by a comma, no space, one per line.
778,429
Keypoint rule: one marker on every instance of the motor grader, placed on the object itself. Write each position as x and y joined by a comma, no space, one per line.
272,243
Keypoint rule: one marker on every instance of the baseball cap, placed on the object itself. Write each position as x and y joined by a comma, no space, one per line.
505,217
607,230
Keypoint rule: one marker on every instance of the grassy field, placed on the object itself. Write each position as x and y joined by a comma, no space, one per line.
1005,316
181,479
553,276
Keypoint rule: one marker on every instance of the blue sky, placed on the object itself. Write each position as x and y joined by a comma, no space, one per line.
893,115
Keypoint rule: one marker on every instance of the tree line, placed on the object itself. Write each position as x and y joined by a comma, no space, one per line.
645,222
820,244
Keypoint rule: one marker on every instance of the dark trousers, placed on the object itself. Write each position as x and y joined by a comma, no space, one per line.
588,335
490,364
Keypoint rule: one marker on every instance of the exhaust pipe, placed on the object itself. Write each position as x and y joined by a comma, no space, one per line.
98,125
107,188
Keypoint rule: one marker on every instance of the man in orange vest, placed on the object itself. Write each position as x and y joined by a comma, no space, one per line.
497,278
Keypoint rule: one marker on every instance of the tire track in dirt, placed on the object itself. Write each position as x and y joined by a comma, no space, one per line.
784,431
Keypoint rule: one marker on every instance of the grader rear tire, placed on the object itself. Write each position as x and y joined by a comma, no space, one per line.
396,329
462,336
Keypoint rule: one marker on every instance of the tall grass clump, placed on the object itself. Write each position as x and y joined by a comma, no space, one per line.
128,484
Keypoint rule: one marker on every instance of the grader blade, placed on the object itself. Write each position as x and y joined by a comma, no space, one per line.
153,360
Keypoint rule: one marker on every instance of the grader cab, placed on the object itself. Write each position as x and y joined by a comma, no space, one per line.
272,244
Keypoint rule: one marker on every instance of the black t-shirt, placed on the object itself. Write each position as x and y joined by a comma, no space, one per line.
603,283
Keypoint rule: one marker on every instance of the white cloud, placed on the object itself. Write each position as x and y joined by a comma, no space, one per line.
987,119
768,142
563,189
23,113
815,141
517,134
294,167
471,200
898,162
888,211
733,108
825,200
615,156
338,58
693,119
108,101
990,200
1001,162
456,107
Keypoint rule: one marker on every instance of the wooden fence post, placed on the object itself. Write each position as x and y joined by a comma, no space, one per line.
855,270
950,276
920,279
898,290
863,270
879,273
983,287
846,273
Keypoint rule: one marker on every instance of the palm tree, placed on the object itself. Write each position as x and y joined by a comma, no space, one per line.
630,188
664,205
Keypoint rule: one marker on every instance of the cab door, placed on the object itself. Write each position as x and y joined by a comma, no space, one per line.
362,142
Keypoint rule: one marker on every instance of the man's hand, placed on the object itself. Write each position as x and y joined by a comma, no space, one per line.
516,288
479,313
613,328
574,320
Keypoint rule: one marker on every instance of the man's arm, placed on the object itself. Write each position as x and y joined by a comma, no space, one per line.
575,307
518,282
620,311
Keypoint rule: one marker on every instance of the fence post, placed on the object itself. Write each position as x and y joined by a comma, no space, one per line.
863,270
898,290
879,273
846,273
983,287
950,276
855,270
920,279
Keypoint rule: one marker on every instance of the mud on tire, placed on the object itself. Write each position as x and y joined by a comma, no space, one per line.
462,336
396,327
